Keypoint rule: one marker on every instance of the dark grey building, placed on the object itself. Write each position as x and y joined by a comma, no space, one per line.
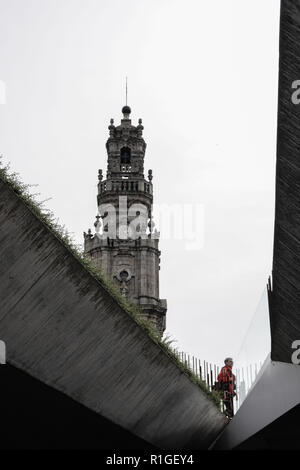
125,242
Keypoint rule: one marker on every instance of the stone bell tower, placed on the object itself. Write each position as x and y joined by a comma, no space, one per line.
125,243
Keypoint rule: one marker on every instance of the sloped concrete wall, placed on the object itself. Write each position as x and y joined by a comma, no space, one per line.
63,328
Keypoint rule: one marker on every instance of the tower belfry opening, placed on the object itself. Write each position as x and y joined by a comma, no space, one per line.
125,243
125,155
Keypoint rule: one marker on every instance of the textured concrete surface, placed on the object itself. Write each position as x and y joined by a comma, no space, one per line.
285,298
62,327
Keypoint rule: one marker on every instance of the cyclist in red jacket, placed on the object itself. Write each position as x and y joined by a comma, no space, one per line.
227,384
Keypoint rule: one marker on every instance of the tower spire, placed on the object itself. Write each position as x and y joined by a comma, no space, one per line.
126,90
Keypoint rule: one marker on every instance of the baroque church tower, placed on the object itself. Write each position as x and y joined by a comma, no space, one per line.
125,243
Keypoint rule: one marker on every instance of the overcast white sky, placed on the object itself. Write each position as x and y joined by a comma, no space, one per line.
203,76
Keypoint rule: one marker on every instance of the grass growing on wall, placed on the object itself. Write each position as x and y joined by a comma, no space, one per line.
23,191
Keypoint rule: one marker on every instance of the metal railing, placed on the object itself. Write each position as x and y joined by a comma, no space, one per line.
205,371
208,373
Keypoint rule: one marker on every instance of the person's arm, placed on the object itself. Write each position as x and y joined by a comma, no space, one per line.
220,380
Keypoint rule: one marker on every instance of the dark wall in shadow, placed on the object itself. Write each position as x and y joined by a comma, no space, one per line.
35,416
285,298
282,434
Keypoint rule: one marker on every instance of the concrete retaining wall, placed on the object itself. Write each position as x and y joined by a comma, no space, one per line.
63,328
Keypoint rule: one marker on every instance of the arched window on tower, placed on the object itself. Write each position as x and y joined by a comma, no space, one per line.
125,155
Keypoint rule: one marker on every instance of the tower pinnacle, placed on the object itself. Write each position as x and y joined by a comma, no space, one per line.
126,111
